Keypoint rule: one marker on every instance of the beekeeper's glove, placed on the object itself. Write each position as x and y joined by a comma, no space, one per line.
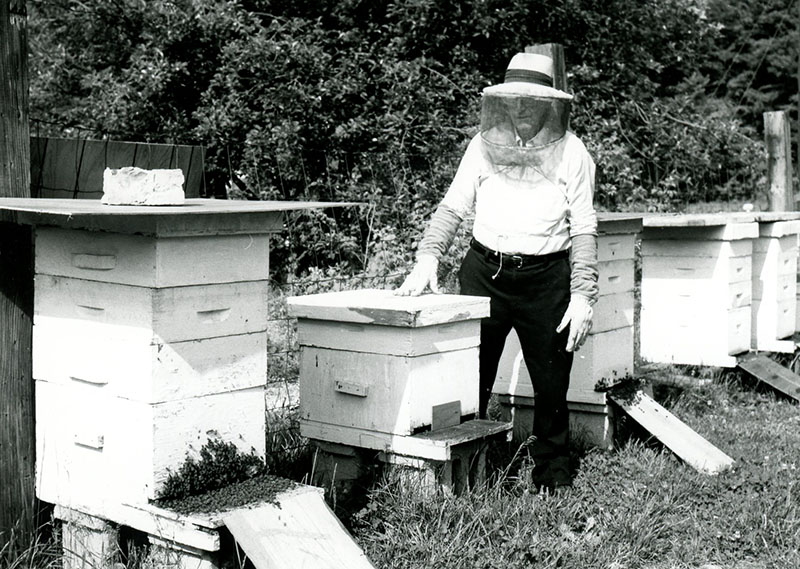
422,275
579,319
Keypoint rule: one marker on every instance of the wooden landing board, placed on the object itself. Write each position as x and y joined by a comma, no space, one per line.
773,374
674,434
300,532
431,445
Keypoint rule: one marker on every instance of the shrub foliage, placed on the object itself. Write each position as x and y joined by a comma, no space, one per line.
373,101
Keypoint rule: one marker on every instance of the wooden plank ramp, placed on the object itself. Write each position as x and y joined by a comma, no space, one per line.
677,436
773,374
300,532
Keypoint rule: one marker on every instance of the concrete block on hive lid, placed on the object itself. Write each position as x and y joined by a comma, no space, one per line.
135,186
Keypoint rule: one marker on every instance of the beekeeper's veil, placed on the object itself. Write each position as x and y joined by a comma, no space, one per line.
523,118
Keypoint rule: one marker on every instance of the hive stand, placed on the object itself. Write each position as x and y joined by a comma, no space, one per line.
697,288
175,540
393,374
605,359
294,529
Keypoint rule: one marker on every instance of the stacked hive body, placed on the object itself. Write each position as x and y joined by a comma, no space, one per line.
697,288
607,356
774,314
149,338
376,367
397,375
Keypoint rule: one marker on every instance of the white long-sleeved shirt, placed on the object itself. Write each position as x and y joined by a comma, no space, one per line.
526,210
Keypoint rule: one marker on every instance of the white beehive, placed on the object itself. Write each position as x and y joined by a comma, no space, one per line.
696,288
376,364
144,348
149,339
775,286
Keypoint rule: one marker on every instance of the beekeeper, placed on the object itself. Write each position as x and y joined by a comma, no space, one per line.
530,183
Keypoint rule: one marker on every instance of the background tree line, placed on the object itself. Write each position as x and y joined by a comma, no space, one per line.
374,100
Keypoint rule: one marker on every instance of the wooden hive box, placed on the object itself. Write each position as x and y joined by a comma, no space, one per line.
144,348
376,364
696,288
149,339
608,353
774,312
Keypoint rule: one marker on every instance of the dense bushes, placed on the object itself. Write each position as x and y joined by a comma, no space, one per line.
373,101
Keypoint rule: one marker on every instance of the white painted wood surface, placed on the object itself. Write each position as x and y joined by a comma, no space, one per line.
392,340
685,337
715,271
383,307
194,531
613,311
149,261
783,228
613,247
775,287
616,276
301,531
94,450
90,544
654,247
397,393
194,217
686,443
421,446
129,363
172,314
690,295
696,292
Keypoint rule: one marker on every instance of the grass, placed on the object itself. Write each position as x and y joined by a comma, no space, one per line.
636,507
40,553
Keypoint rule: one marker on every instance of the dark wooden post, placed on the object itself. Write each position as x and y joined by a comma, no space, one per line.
17,428
556,52
778,137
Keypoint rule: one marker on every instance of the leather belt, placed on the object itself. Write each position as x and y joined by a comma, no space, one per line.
516,261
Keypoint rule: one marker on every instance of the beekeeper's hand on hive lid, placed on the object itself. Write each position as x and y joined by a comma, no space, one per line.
422,276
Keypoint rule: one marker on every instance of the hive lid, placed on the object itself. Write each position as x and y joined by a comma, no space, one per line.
194,217
383,307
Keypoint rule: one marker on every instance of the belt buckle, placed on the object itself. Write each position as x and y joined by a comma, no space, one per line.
518,261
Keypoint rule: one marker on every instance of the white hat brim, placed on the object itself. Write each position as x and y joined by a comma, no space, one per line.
517,88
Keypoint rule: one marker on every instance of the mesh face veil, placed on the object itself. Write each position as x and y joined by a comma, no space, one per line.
520,130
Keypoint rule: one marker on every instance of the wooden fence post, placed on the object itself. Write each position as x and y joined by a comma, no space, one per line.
778,138
556,52
17,427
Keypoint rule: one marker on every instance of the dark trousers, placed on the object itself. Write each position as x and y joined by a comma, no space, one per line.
532,299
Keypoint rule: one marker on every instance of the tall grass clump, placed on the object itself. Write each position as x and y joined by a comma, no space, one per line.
39,551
